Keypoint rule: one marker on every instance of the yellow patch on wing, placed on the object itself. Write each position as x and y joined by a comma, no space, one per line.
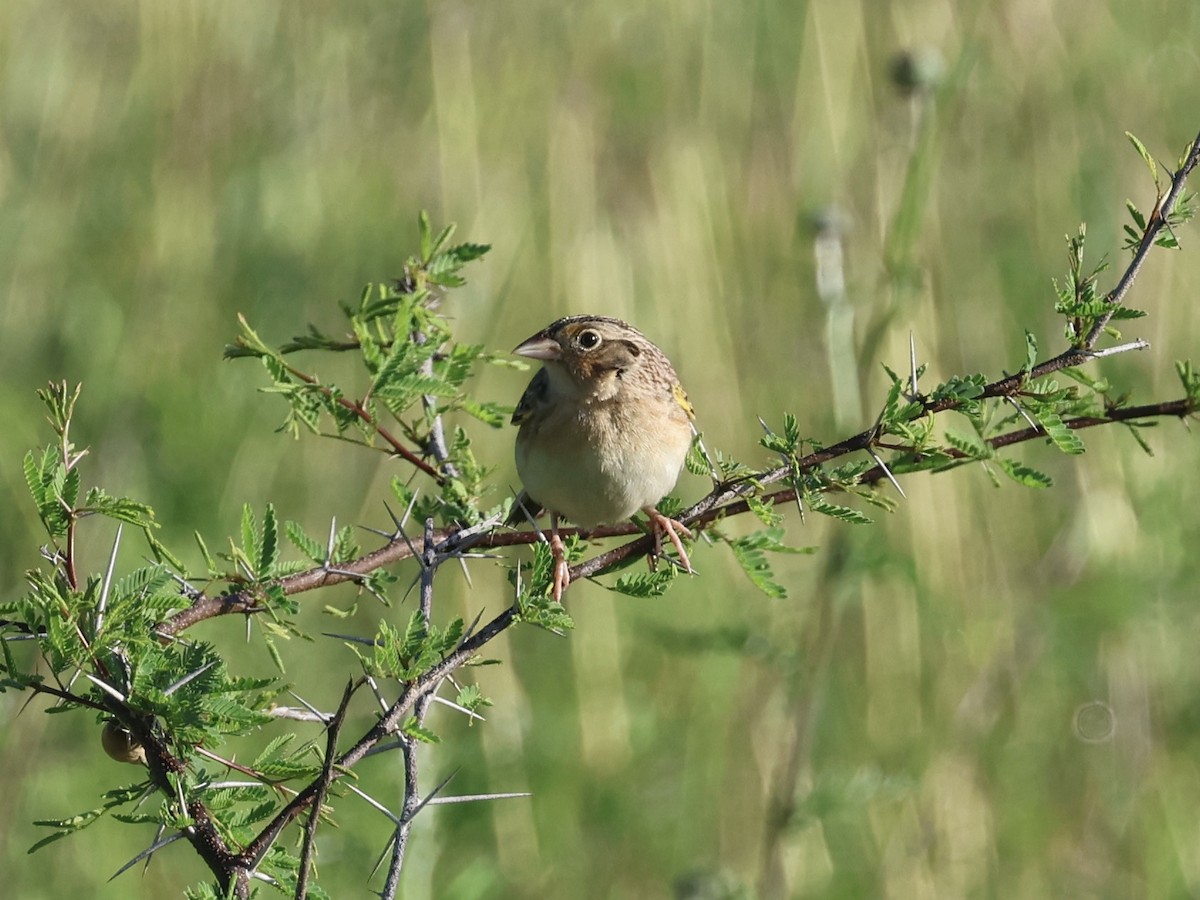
681,398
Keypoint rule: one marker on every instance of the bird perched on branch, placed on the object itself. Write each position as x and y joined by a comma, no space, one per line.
604,429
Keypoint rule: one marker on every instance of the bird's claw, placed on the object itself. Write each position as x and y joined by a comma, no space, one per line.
562,570
660,525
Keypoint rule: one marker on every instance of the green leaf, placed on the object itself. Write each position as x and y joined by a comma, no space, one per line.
646,584
771,540
1125,312
534,604
414,635
273,751
765,512
123,509
1099,385
1189,377
206,892
273,652
59,401
754,563
465,253
750,552
1063,438
311,548
33,478
45,480
268,552
545,613
470,697
1030,353
72,824
1134,429
415,730
1145,155
425,234
452,635
695,461
492,414
844,513
1023,474
248,343
440,241
960,387
969,445
249,534
1136,215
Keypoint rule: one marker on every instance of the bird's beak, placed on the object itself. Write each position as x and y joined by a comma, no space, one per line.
539,347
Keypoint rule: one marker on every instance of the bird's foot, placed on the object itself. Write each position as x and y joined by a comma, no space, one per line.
562,570
660,525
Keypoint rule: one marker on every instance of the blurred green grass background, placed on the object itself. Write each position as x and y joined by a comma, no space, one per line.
988,693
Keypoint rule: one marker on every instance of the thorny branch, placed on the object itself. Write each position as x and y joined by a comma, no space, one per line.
725,499
308,847
235,868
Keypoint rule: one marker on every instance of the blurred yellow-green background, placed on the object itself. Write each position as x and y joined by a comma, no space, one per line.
991,692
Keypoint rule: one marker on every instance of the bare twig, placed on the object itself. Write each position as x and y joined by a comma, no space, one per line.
326,779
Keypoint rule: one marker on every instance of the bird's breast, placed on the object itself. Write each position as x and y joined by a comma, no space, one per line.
593,465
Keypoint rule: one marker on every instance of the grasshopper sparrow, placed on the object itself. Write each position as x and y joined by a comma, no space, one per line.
604,429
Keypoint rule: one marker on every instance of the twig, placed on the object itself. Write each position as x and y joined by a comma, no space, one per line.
326,779
357,408
1156,223
721,502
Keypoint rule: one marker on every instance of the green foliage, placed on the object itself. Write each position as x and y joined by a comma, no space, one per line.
787,444
284,867
1079,300
406,656
1189,377
53,476
969,445
646,584
1031,353
844,513
750,552
697,461
413,401
535,604
1062,437
1183,212
278,764
472,699
1023,474
960,390
71,824
415,374
902,415
544,612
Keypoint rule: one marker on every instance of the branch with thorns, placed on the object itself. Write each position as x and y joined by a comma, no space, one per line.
732,496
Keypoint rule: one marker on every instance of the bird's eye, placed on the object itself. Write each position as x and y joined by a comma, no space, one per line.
589,340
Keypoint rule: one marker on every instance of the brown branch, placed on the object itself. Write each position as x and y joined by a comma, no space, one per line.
322,784
202,832
386,725
724,500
